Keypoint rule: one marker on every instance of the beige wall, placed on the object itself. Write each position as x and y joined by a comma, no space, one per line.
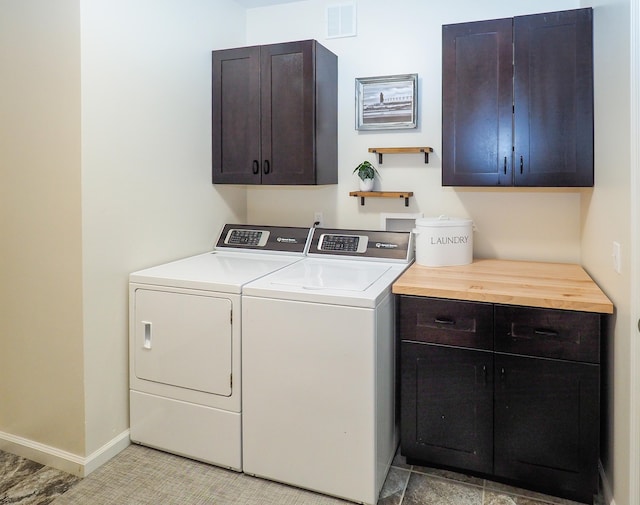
41,366
105,159
147,195
405,38
606,217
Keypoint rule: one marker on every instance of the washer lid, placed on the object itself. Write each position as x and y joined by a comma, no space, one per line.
315,275
332,281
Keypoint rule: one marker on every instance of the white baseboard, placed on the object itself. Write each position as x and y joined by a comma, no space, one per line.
98,458
607,492
63,460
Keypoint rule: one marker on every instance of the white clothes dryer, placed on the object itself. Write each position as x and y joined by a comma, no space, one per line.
185,336
319,365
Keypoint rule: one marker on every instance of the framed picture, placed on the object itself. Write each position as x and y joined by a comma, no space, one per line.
387,102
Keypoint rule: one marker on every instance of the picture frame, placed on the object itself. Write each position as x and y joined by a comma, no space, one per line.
387,102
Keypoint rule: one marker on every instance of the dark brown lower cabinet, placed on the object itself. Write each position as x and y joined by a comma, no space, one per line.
546,424
447,407
529,420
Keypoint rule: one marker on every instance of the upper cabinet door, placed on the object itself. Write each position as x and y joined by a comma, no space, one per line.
275,114
477,103
288,113
553,89
517,101
236,116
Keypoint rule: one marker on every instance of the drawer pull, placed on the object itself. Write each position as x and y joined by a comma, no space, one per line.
438,320
545,333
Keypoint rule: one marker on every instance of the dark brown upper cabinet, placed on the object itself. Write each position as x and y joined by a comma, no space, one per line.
517,101
275,114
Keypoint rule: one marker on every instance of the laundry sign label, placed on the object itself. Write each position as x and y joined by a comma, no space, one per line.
456,239
444,242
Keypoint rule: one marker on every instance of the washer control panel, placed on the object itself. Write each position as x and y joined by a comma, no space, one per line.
396,246
343,243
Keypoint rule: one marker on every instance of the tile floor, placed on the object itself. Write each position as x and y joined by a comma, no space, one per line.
23,482
418,485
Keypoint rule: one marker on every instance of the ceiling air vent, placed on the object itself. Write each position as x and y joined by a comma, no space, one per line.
341,20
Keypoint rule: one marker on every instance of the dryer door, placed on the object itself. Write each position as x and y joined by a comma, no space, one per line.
183,340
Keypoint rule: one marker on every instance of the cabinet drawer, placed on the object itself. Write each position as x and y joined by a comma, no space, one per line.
548,333
448,322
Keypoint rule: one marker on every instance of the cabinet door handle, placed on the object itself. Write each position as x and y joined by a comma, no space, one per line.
484,373
438,320
266,167
521,164
505,165
545,333
256,167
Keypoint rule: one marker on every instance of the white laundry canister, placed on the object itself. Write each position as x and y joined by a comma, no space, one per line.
443,241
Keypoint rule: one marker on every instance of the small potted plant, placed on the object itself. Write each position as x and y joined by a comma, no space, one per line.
367,173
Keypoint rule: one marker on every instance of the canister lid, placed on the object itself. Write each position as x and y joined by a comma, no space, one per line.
443,221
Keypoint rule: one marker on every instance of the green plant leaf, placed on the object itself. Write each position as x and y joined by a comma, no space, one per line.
366,170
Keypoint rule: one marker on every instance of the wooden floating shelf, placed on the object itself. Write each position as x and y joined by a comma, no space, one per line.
383,194
401,150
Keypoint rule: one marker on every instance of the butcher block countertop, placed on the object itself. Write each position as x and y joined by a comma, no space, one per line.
531,284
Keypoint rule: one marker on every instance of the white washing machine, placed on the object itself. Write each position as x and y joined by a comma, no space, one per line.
185,337
318,350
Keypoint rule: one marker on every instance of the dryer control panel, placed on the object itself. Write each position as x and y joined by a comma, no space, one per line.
376,245
247,237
